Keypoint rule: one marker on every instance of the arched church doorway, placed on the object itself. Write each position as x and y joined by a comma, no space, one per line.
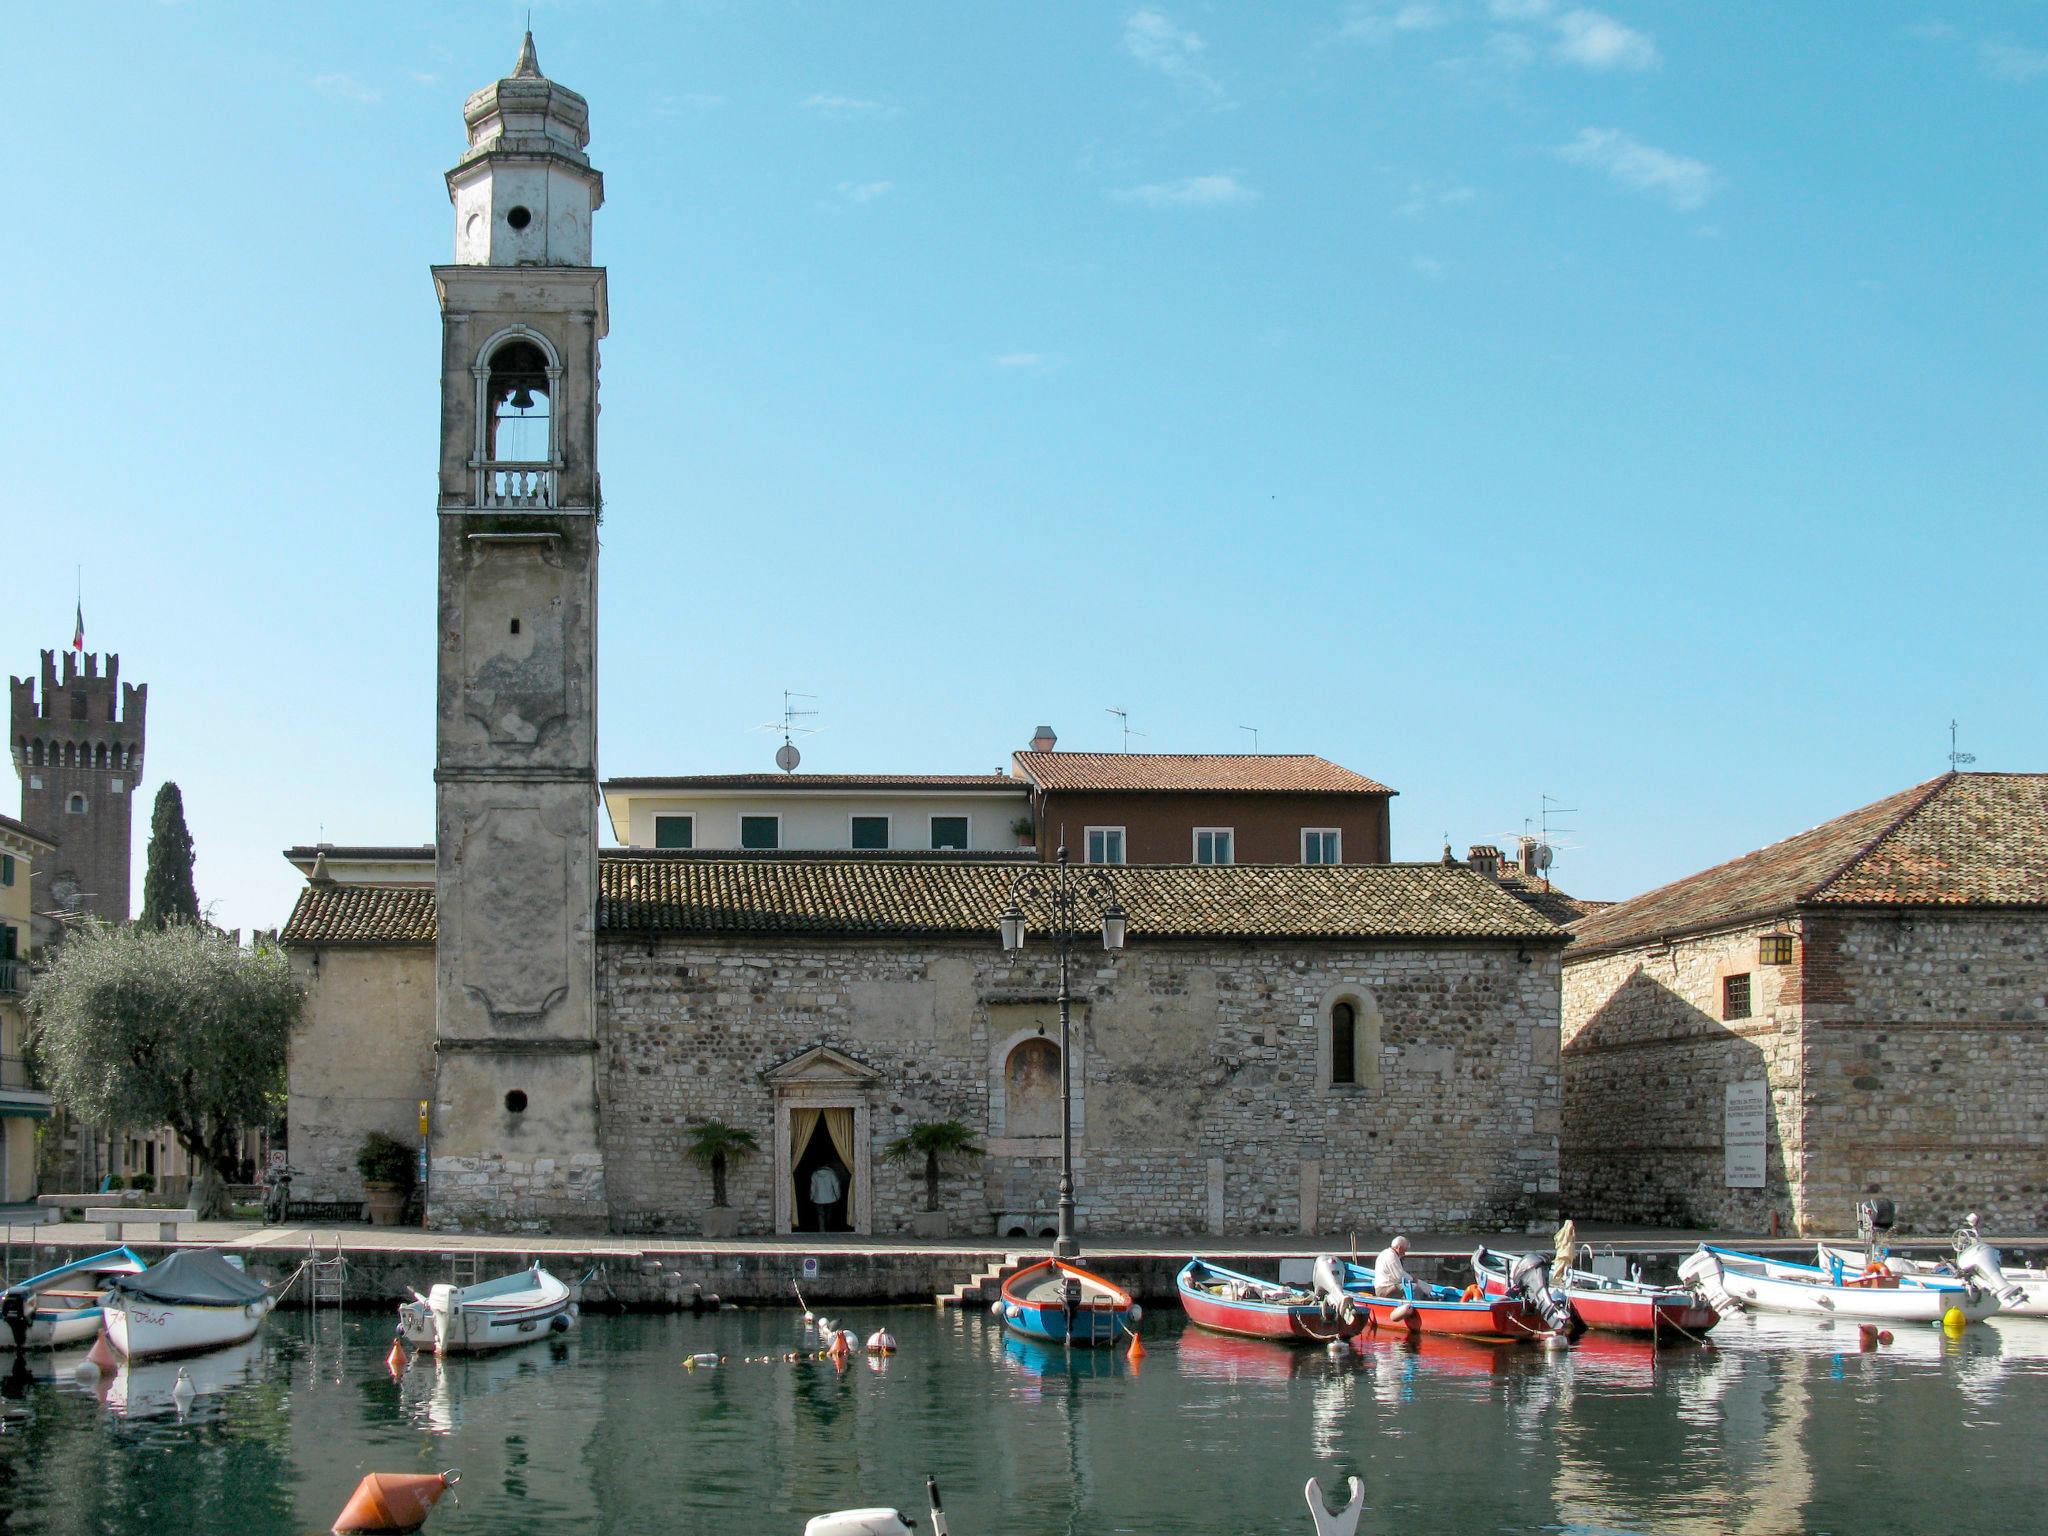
821,1170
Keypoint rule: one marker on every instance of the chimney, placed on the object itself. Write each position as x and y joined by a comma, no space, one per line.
1485,859
1525,855
1043,740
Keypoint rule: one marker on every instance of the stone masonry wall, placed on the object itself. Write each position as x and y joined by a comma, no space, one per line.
1926,1062
1647,1056
361,1059
1204,1102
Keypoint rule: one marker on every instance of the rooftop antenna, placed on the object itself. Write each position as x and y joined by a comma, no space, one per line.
1957,759
1124,719
786,756
1255,737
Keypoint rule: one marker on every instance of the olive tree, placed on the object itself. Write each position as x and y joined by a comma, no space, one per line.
135,1027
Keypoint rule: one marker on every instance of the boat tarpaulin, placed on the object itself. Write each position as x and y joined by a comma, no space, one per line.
194,1276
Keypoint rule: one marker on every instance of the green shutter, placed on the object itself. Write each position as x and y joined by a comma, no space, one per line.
675,832
6,869
760,832
949,831
871,832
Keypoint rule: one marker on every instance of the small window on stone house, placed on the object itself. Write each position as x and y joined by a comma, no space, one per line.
6,869
1735,996
1344,1044
75,806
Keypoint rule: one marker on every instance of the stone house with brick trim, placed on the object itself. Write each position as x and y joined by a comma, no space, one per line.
1876,987
1277,1049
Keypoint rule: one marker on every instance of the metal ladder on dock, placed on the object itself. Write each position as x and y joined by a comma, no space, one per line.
330,1276
464,1267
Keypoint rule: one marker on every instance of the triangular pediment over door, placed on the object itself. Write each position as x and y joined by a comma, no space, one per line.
822,1067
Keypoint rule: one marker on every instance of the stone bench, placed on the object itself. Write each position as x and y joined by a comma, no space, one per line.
116,1217
57,1205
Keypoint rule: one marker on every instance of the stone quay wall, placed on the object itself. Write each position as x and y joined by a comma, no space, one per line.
1204,1102
1647,1057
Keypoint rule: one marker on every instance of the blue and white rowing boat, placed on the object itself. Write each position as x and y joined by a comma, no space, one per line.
63,1305
1067,1304
1731,1281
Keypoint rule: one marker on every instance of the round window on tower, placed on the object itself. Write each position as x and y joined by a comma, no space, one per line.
519,218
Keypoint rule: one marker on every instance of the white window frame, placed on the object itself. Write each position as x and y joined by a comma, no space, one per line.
1337,847
932,831
739,830
888,829
75,804
1123,845
1195,848
689,816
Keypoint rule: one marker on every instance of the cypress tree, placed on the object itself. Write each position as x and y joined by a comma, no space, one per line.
167,891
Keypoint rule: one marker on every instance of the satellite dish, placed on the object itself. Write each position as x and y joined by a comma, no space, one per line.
1540,857
787,757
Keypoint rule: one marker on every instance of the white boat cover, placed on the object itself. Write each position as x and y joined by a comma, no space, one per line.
195,1277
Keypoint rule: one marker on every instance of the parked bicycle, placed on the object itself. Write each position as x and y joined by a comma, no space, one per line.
277,1196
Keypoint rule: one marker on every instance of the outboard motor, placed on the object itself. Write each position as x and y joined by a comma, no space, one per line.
1979,1261
1326,1279
14,1313
1529,1278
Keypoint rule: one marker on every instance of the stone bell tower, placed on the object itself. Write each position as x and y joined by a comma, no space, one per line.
515,1141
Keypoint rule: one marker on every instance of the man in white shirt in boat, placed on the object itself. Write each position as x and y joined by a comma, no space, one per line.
1390,1275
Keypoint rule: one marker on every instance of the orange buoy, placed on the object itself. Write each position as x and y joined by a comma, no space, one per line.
398,1359
392,1501
102,1354
1137,1349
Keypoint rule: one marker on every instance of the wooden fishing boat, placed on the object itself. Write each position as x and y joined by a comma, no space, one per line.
1227,1302
193,1300
1055,1300
1423,1308
1615,1306
523,1307
2021,1291
1731,1280
63,1305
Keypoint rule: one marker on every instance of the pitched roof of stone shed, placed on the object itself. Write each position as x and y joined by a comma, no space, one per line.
1964,839
905,899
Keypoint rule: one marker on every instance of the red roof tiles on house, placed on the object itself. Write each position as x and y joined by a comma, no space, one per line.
801,782
1194,773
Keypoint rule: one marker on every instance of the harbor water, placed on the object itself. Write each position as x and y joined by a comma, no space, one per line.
1775,1426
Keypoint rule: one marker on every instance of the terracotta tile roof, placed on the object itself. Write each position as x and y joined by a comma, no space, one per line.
857,855
1194,772
800,782
332,913
1544,897
913,899
1971,839
23,829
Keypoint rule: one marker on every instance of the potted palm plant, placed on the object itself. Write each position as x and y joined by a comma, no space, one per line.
386,1166
716,1146
933,1142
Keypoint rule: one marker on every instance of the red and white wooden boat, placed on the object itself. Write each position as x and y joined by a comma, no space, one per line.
1439,1309
1614,1306
1225,1301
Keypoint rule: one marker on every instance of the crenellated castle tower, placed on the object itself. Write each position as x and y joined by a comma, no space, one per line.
78,752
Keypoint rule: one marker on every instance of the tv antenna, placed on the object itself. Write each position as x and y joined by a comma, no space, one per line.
786,756
1124,719
1255,737
1957,759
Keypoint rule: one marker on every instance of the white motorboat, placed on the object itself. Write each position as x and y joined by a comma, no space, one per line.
62,1306
1734,1281
520,1308
194,1300
2021,1291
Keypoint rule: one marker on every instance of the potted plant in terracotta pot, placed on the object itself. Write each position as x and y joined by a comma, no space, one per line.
1026,833
386,1165
933,1142
716,1146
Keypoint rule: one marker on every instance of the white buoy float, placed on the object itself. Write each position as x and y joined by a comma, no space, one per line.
881,1342
703,1362
183,1392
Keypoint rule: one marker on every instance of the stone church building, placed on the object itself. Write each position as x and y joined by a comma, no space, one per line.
1297,1047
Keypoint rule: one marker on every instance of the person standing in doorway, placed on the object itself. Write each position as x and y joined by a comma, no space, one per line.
824,1191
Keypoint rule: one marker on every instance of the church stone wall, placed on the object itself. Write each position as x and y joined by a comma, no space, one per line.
361,1059
1204,1106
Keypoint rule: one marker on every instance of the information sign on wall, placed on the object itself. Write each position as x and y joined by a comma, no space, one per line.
1747,1109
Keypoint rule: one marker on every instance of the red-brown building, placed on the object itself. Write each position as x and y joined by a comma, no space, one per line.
1203,808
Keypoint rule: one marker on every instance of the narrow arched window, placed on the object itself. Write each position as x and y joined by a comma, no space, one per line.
1344,1044
519,405
75,806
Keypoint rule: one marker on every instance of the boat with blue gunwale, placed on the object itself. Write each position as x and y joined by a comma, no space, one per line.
1224,1301
1067,1304
64,1305
1731,1279
1423,1308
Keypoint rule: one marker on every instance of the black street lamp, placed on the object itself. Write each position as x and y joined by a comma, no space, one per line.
1067,894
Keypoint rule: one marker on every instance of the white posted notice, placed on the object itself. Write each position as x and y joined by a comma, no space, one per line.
1747,1109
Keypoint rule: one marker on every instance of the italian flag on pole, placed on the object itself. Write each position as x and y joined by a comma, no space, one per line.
78,631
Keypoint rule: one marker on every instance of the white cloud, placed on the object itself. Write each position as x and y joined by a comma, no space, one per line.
346,88
1021,359
1683,182
1375,23
423,77
1155,41
1189,192
864,191
1592,40
1426,197
2013,63
1429,267
844,106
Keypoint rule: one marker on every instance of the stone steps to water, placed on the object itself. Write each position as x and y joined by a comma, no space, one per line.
982,1287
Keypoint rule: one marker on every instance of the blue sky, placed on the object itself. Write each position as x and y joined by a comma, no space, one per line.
1637,404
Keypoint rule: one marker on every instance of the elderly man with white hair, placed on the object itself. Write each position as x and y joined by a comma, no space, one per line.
1390,1275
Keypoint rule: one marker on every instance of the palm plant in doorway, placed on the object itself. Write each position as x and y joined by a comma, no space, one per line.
935,1142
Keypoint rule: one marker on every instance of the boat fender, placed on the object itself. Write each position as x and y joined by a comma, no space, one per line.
881,1342
1134,1313
560,1322
999,1307
1402,1313
392,1501
704,1361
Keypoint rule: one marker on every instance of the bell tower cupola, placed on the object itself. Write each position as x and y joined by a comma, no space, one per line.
524,191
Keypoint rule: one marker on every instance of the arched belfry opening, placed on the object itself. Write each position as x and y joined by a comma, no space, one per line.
518,396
